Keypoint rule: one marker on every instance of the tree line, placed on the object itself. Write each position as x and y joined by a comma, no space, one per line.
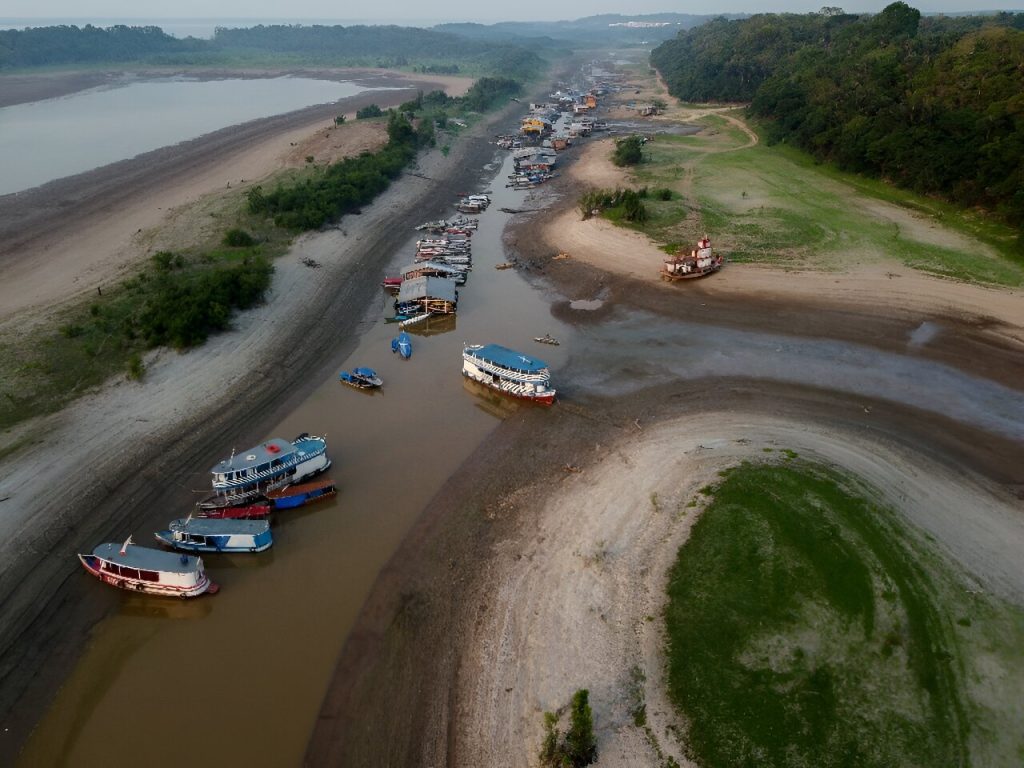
932,104
295,44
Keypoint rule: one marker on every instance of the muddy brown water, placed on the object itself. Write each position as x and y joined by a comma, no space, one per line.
238,678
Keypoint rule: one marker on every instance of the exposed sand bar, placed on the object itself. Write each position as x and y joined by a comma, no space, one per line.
71,235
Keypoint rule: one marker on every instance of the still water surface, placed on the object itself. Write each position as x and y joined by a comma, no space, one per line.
45,140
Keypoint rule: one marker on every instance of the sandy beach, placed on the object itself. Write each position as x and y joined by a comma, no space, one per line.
540,565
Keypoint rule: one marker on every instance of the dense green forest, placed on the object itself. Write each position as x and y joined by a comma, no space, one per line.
933,104
425,49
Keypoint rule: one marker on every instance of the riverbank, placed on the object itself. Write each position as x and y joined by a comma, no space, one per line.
68,237
556,536
75,478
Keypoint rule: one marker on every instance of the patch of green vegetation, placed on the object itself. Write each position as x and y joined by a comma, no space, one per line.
578,746
177,301
809,626
775,205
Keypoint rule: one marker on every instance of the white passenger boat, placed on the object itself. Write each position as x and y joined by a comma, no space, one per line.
153,571
509,372
217,535
247,476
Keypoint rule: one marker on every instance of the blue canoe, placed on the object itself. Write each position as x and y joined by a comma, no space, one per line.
402,344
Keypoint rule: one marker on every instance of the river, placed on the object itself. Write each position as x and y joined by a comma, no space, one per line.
45,140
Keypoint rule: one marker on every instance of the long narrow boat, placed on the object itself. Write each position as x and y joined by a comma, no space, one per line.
152,571
303,494
509,372
246,477
251,512
209,535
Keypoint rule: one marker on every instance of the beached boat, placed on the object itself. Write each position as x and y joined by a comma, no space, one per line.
153,571
246,477
699,262
402,344
361,378
509,372
302,494
251,512
209,535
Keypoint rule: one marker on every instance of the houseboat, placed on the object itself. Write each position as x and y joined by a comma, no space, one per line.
699,262
245,477
426,294
153,571
509,372
208,535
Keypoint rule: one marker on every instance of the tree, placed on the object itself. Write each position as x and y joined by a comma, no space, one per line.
580,744
628,151
579,747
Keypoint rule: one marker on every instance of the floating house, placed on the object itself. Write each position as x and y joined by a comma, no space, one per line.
427,294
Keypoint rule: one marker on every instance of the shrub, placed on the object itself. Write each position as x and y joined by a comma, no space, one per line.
238,238
371,110
136,368
579,747
628,151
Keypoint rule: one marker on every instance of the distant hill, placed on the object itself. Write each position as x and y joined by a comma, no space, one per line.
606,29
279,44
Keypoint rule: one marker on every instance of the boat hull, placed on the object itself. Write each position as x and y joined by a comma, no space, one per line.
546,399
301,495
228,544
92,566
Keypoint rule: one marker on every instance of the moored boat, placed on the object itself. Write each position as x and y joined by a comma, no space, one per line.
547,338
251,512
361,378
509,372
699,262
246,477
302,494
153,571
211,535
402,344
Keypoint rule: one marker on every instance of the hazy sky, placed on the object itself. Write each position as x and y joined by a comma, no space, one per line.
399,10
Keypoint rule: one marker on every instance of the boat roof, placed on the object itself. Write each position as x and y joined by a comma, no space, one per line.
210,526
508,358
431,265
426,286
275,448
147,559
369,372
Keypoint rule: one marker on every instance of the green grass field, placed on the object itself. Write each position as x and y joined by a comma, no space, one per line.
774,205
808,626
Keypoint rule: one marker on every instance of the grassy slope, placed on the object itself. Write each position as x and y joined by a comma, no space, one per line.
774,205
809,627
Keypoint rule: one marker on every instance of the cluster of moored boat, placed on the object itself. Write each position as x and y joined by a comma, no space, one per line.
246,489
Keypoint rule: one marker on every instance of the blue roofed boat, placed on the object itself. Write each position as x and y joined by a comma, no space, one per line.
217,535
361,378
246,477
402,344
152,571
509,372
